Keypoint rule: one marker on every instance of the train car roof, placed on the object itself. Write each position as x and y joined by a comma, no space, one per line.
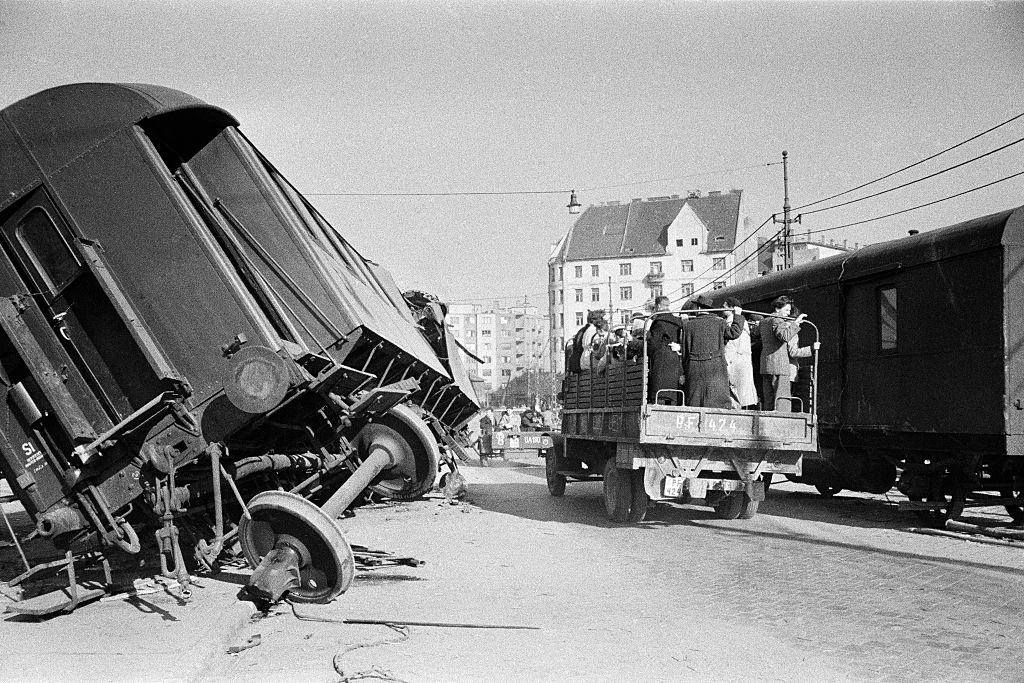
48,130
969,236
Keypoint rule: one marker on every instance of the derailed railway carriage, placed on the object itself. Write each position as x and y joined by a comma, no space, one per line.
922,364
174,316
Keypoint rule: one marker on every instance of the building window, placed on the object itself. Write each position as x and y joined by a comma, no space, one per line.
780,267
506,359
579,295
487,372
552,297
626,293
625,269
624,317
561,320
679,243
552,269
579,319
507,372
488,359
887,318
485,333
694,242
506,333
718,285
595,271
656,290
655,267
718,263
595,293
561,296
687,265
687,289
560,274
579,271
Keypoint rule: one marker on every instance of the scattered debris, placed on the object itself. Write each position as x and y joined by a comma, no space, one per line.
965,537
253,641
373,672
440,624
369,558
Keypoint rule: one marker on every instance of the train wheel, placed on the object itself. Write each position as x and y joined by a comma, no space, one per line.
827,491
953,508
618,491
556,481
415,475
639,498
1015,511
731,506
296,548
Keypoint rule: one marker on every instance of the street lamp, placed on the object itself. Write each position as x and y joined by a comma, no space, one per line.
573,205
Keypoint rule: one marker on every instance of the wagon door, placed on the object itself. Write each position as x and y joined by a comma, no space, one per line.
872,388
75,308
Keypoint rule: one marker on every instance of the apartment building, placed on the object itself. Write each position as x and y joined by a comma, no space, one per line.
619,256
508,340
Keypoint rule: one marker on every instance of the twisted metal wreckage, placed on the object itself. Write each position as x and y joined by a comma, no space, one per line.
175,316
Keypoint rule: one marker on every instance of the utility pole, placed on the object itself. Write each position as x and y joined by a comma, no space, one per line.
786,220
610,311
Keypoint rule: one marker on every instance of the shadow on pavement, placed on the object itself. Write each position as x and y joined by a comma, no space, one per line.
839,545
583,503
849,510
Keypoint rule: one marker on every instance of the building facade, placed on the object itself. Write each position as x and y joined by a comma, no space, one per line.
802,249
508,341
619,256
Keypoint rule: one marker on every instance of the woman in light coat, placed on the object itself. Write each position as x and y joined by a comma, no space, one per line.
742,388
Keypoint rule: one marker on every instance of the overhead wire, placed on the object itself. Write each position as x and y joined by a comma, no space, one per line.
532,192
919,206
912,182
916,163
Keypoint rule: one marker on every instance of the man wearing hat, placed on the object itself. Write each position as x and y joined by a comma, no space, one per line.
703,351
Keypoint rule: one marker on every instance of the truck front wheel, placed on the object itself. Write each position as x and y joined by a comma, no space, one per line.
556,481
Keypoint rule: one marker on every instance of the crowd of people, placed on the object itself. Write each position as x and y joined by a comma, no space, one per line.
703,357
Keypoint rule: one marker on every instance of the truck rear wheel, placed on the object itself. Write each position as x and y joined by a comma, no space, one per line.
731,506
640,499
749,507
556,481
618,491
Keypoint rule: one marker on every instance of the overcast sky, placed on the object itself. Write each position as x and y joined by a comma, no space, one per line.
484,97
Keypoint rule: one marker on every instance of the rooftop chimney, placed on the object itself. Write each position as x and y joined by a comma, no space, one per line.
913,232
714,193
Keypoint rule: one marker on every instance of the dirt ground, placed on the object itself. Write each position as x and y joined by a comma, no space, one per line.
810,589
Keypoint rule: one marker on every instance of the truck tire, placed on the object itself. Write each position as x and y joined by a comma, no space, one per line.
618,491
556,481
731,506
640,499
749,507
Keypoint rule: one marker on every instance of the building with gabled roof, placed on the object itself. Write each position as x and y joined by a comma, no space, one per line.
619,255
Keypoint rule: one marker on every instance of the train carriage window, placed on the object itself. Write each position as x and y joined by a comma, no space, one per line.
48,249
887,318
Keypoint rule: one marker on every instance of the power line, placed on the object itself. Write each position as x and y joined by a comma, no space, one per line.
891,189
529,192
742,262
916,163
919,206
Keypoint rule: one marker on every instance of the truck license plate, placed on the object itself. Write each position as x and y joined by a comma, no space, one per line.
674,486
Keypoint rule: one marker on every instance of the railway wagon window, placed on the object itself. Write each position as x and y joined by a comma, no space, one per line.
887,318
47,248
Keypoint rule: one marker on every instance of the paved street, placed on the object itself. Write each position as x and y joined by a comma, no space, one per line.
810,589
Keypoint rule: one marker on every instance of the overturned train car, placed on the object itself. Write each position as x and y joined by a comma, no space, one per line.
163,331
922,364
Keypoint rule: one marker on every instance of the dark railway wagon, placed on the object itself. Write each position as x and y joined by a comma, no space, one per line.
922,363
162,328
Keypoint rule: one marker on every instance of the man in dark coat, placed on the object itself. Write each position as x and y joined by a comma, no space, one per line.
703,350
663,356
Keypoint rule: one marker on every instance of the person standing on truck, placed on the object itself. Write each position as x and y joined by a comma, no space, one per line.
665,368
742,387
703,355
776,330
